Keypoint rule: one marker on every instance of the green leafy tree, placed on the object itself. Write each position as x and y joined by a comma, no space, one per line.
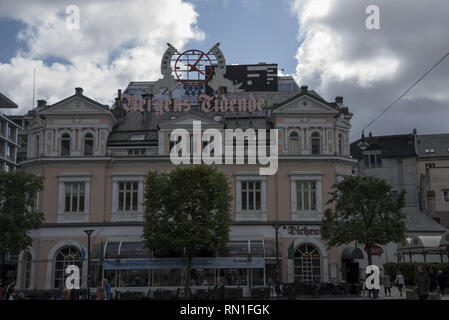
187,208
365,211
18,193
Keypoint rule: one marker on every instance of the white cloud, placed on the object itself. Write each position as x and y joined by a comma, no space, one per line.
338,55
118,42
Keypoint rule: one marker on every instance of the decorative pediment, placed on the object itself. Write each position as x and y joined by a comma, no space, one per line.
76,105
37,122
305,104
186,122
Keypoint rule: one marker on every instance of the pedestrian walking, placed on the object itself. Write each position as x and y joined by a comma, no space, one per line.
433,280
441,279
422,282
101,294
65,294
387,284
220,290
107,288
399,281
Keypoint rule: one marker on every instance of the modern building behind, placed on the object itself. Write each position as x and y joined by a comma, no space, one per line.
8,137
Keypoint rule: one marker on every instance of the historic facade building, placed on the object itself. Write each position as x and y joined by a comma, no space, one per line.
94,160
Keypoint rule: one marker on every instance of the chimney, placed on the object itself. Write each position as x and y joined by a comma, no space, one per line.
41,103
339,99
79,91
304,89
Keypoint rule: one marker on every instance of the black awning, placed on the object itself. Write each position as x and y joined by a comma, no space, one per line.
352,253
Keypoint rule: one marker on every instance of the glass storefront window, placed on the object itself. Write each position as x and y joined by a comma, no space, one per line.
134,278
257,277
237,249
163,278
204,277
130,250
235,277
257,248
112,250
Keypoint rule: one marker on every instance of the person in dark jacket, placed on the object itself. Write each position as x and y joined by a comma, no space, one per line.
433,280
220,290
422,282
441,279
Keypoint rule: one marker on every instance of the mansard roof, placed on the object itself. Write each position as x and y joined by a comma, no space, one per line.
393,146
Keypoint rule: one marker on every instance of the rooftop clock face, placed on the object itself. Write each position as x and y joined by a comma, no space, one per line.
190,67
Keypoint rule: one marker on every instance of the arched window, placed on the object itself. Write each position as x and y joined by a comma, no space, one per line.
307,264
294,143
65,144
27,260
316,143
66,256
88,144
36,145
340,144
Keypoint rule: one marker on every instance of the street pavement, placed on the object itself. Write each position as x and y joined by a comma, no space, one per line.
395,295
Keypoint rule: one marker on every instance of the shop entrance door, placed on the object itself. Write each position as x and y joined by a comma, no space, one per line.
351,271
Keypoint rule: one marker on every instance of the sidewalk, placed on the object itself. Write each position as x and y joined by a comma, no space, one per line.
394,296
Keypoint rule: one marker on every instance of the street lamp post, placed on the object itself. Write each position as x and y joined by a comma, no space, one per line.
88,232
276,227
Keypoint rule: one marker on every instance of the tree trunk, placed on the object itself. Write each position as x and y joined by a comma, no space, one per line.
188,271
368,251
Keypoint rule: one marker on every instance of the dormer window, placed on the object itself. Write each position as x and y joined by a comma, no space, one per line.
65,145
372,159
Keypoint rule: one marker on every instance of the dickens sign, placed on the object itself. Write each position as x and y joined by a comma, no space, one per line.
303,231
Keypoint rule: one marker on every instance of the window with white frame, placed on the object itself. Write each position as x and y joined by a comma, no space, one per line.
251,197
306,195
372,159
128,194
74,196
445,196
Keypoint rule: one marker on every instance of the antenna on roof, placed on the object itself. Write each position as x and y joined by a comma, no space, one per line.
34,86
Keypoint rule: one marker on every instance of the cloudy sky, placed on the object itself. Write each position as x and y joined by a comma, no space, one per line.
324,44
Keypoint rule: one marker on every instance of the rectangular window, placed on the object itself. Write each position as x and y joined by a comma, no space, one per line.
251,195
446,196
11,132
372,160
430,165
128,196
365,161
305,195
74,196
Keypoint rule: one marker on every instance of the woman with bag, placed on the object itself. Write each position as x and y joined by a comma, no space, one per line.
399,282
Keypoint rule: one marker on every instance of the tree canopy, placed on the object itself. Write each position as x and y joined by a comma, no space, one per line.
18,195
188,208
365,211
